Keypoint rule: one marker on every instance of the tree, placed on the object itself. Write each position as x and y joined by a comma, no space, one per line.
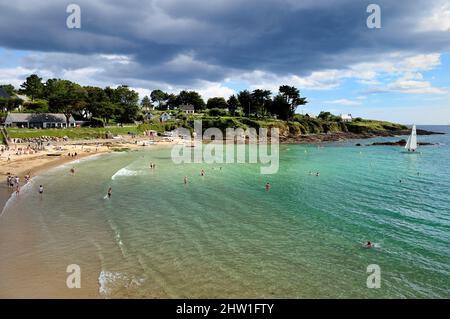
67,97
159,97
146,104
32,86
292,96
216,103
191,97
260,100
127,101
281,107
233,104
245,100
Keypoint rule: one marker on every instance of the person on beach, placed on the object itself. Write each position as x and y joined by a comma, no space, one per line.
17,190
41,189
267,186
109,192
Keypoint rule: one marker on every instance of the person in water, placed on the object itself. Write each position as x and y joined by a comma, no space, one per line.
72,170
109,192
41,189
369,245
202,172
185,180
267,186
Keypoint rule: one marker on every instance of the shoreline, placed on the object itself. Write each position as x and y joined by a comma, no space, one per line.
37,164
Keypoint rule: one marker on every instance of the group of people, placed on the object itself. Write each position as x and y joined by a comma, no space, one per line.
14,182
152,165
72,154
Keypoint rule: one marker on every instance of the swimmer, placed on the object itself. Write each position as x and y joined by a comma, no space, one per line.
317,174
109,192
202,173
267,186
369,245
72,170
185,180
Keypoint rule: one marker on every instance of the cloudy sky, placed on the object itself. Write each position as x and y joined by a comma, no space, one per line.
218,47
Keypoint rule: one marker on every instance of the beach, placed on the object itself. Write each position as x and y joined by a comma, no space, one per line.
223,235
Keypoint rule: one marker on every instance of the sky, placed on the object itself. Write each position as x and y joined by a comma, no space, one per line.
399,72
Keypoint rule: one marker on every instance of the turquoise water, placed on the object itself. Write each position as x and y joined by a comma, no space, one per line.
223,235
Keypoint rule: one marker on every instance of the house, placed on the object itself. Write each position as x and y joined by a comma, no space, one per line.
346,117
187,108
148,116
3,93
165,117
38,120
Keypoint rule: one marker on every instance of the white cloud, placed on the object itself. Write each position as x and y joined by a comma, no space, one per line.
439,20
344,102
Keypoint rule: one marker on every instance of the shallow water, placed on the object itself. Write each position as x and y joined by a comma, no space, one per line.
223,235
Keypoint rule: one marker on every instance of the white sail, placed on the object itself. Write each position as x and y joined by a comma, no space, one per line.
411,144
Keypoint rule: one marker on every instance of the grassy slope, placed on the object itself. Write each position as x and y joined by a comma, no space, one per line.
300,126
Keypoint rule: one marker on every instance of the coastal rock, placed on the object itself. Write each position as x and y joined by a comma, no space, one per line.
401,142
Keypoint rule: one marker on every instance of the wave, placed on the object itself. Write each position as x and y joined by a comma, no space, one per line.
24,189
111,282
124,172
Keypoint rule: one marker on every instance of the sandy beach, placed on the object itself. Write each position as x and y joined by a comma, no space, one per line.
20,161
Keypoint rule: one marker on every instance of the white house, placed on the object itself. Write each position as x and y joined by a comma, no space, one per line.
165,117
346,117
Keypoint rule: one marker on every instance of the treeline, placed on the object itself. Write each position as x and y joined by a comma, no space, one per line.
122,104
258,103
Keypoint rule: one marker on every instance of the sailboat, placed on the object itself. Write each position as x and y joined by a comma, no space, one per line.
411,144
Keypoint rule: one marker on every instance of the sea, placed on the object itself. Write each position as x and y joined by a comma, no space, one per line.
223,235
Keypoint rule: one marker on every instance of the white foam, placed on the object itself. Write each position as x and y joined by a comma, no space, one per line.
24,189
108,281
124,172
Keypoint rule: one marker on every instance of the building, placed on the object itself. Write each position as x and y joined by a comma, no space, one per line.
346,117
187,108
165,117
38,120
3,93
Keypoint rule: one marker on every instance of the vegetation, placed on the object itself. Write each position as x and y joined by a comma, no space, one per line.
104,106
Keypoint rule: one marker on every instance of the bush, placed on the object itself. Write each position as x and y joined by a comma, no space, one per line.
217,112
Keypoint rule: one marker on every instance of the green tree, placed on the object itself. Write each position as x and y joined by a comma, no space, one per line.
281,107
233,104
128,102
216,103
32,86
245,100
191,97
159,97
146,104
292,96
261,100
67,97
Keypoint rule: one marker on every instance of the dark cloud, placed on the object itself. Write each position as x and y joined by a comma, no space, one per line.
183,41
